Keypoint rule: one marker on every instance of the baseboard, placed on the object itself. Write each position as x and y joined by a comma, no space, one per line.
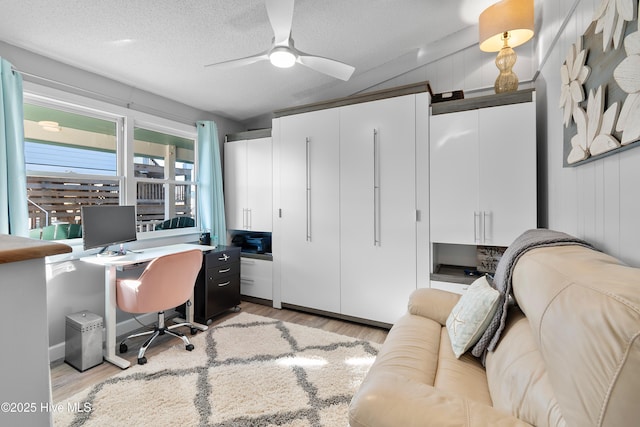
359,320
256,300
57,351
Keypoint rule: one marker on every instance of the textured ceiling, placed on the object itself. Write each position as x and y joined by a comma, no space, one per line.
161,46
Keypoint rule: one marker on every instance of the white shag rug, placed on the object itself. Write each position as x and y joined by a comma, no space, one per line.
247,371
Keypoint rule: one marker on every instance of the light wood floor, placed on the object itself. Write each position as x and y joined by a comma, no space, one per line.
66,380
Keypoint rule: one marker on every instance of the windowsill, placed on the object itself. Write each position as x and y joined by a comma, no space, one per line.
144,240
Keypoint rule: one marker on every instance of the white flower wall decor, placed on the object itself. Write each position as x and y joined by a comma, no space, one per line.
608,119
627,75
611,17
594,128
573,74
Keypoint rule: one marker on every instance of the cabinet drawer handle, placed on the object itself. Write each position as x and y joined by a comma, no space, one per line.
225,270
247,262
224,257
224,284
247,280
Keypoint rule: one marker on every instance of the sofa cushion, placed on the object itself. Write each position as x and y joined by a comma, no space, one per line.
416,380
517,376
583,308
471,315
463,375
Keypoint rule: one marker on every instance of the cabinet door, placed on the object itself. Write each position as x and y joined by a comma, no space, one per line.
454,178
235,184
507,160
378,208
309,195
259,185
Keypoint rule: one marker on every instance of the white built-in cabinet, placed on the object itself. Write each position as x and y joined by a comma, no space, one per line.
482,173
351,227
308,237
248,184
378,207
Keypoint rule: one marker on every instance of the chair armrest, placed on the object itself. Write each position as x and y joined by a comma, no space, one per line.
388,400
434,304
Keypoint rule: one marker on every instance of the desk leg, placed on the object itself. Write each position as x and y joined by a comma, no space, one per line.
189,316
110,318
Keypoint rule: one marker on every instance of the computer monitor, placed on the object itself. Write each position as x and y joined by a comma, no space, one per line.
107,225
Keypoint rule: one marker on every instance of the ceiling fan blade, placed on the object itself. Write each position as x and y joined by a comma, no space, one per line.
280,15
327,66
240,61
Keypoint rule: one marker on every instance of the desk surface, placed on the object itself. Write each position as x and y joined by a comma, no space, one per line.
143,255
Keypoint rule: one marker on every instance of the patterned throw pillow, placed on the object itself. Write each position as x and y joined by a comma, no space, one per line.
471,315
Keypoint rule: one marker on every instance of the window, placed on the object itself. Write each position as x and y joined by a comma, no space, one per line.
164,175
71,161
75,157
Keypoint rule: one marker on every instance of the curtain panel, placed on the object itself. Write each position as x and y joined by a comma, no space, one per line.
210,190
14,215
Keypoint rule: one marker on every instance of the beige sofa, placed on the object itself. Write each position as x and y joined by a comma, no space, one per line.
569,355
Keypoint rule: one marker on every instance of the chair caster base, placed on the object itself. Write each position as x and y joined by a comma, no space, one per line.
189,347
123,348
142,360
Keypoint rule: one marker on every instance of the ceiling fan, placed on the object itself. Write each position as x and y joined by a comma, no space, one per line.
282,52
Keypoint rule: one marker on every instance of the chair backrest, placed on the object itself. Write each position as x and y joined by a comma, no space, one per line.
75,231
167,282
55,232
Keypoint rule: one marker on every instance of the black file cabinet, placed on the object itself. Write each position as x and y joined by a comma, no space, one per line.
217,288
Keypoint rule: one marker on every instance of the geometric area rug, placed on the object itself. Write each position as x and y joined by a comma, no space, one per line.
247,371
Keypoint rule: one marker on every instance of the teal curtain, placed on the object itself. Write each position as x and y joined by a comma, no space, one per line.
14,215
210,192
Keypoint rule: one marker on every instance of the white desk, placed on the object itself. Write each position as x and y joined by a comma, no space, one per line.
111,264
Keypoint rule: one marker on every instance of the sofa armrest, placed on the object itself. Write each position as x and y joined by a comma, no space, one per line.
388,400
434,304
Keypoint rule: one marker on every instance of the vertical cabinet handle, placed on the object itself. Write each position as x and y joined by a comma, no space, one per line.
249,219
308,172
244,218
476,226
376,189
484,225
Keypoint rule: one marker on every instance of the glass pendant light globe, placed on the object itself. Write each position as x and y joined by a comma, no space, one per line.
282,57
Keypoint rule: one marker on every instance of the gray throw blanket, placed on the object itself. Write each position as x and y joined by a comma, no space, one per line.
528,240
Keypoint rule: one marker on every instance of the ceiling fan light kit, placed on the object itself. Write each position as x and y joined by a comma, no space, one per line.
282,57
282,53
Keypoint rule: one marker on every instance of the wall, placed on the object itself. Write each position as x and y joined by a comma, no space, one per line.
597,201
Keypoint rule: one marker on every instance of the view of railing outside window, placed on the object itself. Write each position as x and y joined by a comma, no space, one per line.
77,159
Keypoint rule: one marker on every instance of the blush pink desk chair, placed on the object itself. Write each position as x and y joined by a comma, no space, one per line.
165,283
